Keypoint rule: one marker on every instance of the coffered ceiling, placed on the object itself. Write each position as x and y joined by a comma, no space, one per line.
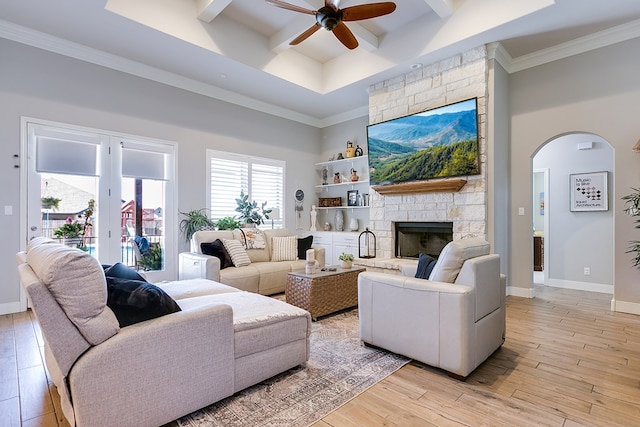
238,50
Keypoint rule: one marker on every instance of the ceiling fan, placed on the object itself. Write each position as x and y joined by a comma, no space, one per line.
331,17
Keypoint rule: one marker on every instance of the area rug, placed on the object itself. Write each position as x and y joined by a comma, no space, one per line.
339,368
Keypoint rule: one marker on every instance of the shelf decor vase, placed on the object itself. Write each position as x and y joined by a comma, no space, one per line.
350,151
339,221
346,264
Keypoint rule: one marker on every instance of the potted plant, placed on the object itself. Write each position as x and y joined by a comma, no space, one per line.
72,232
50,203
152,260
347,260
195,220
632,203
250,213
228,223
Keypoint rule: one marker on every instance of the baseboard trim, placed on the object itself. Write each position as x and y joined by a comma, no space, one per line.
11,307
625,307
581,286
520,292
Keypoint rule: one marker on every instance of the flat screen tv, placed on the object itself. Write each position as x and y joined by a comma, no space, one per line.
438,143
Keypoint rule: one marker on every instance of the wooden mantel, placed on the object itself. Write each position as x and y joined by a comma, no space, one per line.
438,186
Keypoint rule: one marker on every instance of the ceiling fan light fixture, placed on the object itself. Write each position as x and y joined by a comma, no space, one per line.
328,18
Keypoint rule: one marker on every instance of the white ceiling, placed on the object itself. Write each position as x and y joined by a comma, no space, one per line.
238,51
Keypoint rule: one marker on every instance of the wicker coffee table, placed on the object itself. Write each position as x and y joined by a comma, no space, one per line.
324,292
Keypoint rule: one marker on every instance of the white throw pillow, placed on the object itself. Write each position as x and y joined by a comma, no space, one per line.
236,252
285,248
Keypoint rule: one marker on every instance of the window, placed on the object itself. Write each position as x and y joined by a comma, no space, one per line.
229,174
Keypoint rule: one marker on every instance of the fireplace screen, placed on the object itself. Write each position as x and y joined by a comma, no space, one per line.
430,238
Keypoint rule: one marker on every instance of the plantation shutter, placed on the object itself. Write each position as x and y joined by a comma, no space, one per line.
229,174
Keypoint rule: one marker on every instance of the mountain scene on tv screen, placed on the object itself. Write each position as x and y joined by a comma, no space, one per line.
417,147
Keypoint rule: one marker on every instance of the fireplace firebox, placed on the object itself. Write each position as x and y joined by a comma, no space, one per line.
430,238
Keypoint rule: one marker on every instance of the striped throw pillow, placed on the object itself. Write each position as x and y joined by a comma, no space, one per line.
236,252
285,248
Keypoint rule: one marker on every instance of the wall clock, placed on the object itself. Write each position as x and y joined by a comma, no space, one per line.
299,196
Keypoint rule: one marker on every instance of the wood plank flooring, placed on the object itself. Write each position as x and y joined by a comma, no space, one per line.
567,361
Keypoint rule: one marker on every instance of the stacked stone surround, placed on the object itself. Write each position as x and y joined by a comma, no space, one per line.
451,80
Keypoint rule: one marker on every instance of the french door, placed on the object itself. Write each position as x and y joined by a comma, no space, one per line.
110,195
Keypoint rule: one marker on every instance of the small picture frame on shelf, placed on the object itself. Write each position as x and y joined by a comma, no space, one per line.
352,198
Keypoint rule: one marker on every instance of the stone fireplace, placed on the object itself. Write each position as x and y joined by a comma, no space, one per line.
412,238
464,209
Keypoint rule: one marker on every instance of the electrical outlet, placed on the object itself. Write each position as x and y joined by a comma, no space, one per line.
587,271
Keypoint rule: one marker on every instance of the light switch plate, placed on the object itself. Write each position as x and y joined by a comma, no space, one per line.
8,210
520,211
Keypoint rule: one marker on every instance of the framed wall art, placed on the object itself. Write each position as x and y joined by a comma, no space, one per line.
589,191
352,198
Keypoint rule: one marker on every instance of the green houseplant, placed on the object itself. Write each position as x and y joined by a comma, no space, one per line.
632,203
249,211
228,223
152,260
195,220
50,203
347,260
72,232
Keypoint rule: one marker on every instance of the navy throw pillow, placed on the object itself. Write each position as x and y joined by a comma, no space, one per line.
134,301
425,265
217,249
121,271
304,244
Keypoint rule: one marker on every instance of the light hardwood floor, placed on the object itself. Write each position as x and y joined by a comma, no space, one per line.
567,361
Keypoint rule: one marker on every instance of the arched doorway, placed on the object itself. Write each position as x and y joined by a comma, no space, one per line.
578,245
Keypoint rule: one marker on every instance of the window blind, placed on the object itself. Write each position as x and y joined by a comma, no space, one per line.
262,179
59,151
146,161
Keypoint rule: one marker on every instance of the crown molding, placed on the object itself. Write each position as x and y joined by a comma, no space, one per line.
496,51
580,45
60,46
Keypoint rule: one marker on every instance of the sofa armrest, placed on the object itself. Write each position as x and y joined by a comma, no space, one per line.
198,266
157,370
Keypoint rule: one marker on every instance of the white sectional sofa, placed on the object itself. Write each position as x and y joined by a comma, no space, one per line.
221,340
264,275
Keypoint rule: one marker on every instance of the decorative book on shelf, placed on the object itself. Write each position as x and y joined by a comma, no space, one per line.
329,202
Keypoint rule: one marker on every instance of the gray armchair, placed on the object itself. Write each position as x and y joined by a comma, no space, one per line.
454,321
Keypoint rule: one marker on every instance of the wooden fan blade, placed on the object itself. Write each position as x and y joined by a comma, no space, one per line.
289,6
367,11
302,37
346,37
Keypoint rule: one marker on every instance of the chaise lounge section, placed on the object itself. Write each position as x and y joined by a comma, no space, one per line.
220,341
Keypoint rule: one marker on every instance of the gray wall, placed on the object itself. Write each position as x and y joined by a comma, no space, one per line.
538,188
48,86
576,239
595,92
498,176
